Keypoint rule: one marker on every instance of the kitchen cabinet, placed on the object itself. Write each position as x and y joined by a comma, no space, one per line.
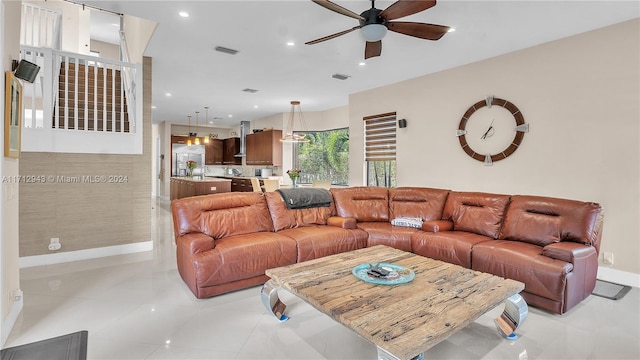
231,148
186,187
264,148
242,184
213,152
179,139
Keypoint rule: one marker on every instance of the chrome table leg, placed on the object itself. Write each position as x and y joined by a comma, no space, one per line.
271,301
515,311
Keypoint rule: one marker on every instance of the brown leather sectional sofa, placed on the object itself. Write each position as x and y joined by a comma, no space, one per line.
226,241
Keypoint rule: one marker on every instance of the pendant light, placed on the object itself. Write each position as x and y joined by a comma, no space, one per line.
197,140
206,137
301,136
189,137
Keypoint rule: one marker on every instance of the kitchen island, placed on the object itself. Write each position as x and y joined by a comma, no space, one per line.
185,186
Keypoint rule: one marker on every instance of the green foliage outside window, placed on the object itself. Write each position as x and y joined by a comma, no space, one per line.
381,173
324,157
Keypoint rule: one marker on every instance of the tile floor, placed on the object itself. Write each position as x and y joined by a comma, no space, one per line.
137,307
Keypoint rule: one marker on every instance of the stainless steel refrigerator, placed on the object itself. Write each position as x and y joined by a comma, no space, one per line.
181,153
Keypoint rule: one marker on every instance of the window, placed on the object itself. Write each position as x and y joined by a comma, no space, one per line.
380,149
324,157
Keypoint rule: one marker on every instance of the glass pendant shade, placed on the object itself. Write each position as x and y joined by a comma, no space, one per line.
197,139
189,136
206,137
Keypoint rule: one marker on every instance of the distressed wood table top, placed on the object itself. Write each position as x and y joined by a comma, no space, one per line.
404,320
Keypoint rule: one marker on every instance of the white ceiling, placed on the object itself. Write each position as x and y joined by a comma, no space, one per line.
185,64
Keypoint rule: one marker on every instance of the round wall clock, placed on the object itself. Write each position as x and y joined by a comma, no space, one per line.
491,133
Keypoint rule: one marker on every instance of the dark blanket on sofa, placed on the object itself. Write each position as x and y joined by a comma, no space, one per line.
304,198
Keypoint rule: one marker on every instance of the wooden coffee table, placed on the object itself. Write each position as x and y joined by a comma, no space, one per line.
403,320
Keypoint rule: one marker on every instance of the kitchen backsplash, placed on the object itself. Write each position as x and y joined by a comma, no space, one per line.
249,171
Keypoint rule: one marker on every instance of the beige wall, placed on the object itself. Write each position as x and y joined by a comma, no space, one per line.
106,50
88,215
580,96
9,194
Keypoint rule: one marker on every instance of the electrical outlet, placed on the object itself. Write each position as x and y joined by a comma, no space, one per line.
607,258
55,244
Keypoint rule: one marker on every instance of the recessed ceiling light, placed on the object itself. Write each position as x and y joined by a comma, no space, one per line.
114,24
255,106
154,107
230,115
362,63
184,14
167,94
451,30
210,122
291,43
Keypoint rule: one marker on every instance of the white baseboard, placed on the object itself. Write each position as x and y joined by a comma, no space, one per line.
10,321
49,259
618,276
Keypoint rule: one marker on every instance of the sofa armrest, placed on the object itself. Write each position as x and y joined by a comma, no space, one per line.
569,251
196,243
342,222
437,225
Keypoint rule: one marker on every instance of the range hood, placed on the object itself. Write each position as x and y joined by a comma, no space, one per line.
244,130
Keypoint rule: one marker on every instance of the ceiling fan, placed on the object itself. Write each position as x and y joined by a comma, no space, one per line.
374,23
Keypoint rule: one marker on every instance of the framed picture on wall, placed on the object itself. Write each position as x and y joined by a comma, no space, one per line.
12,115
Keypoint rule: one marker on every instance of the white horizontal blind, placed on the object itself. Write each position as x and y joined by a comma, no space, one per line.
380,137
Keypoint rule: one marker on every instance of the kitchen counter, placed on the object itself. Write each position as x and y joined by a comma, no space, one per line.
198,179
185,186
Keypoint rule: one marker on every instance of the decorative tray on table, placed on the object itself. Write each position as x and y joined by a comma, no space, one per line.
383,273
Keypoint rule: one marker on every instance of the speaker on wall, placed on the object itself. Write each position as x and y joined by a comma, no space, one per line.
402,123
27,71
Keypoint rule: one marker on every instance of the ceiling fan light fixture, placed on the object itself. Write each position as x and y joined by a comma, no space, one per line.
373,32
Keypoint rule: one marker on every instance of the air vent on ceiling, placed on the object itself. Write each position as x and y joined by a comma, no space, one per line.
251,91
340,76
226,50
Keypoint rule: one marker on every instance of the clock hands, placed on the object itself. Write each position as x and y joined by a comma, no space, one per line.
488,133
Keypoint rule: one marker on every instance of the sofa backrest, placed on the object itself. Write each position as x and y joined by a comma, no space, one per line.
424,203
479,213
364,203
544,220
221,215
285,218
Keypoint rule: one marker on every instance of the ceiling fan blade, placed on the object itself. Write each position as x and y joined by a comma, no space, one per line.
372,49
419,30
328,37
337,8
402,8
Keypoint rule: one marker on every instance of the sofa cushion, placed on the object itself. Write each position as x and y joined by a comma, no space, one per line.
454,247
364,203
285,218
479,213
413,202
543,220
222,215
381,233
542,275
242,257
316,241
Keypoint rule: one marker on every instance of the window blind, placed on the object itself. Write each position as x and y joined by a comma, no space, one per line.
380,137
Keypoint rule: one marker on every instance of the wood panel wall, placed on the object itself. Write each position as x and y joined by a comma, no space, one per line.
87,200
